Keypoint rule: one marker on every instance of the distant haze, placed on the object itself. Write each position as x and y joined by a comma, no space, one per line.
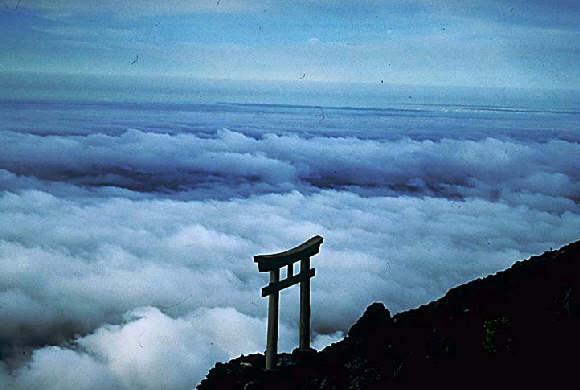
180,90
491,43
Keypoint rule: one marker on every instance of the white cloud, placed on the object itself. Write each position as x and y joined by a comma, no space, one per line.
70,266
232,164
74,264
150,350
129,255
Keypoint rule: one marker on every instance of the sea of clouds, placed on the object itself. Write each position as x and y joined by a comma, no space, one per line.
127,232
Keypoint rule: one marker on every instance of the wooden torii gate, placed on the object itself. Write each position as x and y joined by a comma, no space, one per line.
273,263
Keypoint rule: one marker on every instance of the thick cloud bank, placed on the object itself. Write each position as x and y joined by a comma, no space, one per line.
231,164
127,254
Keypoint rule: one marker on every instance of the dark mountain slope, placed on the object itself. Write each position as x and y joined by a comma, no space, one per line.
519,327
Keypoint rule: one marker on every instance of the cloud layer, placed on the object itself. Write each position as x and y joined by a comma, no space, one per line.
127,253
172,255
229,164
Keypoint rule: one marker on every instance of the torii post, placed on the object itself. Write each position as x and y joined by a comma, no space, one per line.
273,263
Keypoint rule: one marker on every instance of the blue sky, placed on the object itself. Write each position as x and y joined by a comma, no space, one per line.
528,44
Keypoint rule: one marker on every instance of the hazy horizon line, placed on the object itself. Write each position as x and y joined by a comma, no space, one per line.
295,81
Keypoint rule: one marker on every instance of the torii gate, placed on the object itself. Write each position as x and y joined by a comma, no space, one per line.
273,263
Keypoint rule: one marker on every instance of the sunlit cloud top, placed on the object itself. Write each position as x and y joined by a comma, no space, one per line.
469,43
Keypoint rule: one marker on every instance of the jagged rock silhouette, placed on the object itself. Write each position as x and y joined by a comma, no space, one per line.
519,327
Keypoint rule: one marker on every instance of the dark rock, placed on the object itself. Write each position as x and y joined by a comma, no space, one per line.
516,329
304,357
251,385
376,317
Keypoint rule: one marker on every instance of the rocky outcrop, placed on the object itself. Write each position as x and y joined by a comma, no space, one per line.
519,327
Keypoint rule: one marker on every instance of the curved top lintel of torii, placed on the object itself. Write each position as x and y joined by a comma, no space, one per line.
281,259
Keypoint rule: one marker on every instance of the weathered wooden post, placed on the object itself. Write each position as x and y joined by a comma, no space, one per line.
273,263
305,306
272,337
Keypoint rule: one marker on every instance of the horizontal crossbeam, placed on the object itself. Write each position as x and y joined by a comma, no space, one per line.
277,286
278,260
